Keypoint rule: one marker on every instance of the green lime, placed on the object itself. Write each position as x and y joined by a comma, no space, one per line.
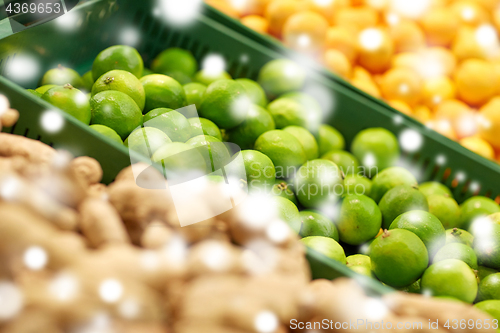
43,89
316,224
34,92
108,132
282,188
457,251
206,77
259,170
425,225
288,212
487,243
456,235
376,148
360,219
314,110
173,124
283,149
430,188
218,155
389,178
162,92
306,139
318,183
476,207
326,246
175,59
179,77
450,277
413,288
70,100
118,57
88,81
398,257
288,112
225,103
146,140
346,161
146,71
180,160
360,263
203,126
329,139
491,307
116,110
257,121
356,184
281,76
61,76
401,199
483,272
154,113
194,93
254,91
495,218
121,81
446,209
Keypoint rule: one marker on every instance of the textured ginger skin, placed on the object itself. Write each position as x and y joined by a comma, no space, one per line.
34,151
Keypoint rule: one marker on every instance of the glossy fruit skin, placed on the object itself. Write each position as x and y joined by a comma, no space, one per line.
329,139
388,179
282,188
450,277
283,149
306,139
146,140
162,92
430,188
175,59
476,207
489,287
122,81
491,307
118,57
203,126
316,224
207,78
355,184
360,263
194,93
326,246
281,76
34,92
446,209
179,166
456,235
70,100
360,219
376,147
483,272
173,124
254,91
346,161
487,243
317,183
457,251
401,199
257,122
259,169
288,112
43,89
61,76
108,132
288,212
213,150
398,257
155,113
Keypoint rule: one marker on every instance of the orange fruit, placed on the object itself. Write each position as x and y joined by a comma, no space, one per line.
489,124
462,119
443,127
324,7
356,18
338,63
305,31
340,38
407,36
479,146
278,11
474,80
440,26
401,84
375,49
472,43
469,12
400,106
438,89
254,7
256,22
422,113
223,6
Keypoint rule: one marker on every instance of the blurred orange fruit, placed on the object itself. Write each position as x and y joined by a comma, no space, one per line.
278,11
356,18
479,146
338,63
400,106
407,36
469,12
257,23
473,80
466,44
443,127
401,84
224,6
375,49
489,124
438,89
422,113
440,26
305,31
341,39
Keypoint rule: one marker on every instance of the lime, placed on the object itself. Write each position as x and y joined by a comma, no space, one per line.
283,189
329,139
360,263
259,170
108,132
288,212
450,277
356,184
146,71
218,155
88,81
483,272
306,139
70,100
346,161
43,89
175,59
281,76
491,307
495,218
457,251
162,92
316,224
398,257
326,246
430,188
194,93
121,81
225,103
413,288
179,77
401,199
173,124
116,110
146,140
360,219
476,207
389,178
376,148
487,243
456,235
287,112
283,149
446,209
180,160
154,113
61,76
118,57
314,110
257,121
318,183
425,225
200,126
206,77
254,91
34,92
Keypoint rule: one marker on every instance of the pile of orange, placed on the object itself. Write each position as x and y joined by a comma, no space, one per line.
435,60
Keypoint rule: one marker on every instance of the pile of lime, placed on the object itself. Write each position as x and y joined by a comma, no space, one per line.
411,236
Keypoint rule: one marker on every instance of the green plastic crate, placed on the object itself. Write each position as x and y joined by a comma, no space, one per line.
104,23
